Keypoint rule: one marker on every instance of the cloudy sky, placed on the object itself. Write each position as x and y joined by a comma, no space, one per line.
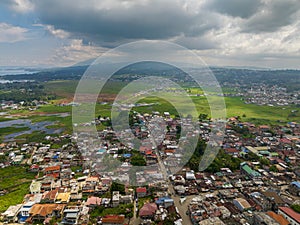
261,33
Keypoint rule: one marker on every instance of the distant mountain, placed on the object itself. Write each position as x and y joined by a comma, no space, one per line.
242,67
64,73
90,61
238,76
12,70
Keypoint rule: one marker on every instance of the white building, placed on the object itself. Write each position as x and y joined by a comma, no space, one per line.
241,204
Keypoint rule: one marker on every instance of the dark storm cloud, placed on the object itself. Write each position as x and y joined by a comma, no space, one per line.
235,8
272,16
141,20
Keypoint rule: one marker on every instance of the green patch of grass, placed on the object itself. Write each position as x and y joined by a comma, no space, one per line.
259,114
15,180
62,88
55,146
234,107
35,136
159,105
125,209
103,110
296,208
52,108
77,175
228,90
11,130
67,88
14,197
113,87
60,122
75,168
121,209
3,119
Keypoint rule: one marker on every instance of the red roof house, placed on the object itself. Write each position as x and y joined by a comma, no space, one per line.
141,192
148,210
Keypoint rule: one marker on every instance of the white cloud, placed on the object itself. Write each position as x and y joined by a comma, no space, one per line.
278,49
22,6
11,34
57,32
235,32
75,51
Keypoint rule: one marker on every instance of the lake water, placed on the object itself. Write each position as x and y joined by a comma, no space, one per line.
39,126
7,70
15,81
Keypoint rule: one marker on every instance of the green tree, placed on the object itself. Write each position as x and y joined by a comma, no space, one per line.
273,168
264,162
296,208
115,186
138,160
203,116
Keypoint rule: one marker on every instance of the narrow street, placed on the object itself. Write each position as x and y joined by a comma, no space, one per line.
135,220
182,208
29,162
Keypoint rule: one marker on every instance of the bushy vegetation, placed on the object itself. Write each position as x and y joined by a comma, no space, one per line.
138,160
124,209
115,186
24,91
296,208
222,160
10,130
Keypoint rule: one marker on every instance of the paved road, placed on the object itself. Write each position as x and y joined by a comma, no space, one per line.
135,220
182,208
29,162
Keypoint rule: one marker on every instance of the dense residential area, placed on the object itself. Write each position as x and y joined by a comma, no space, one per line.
270,95
253,180
150,112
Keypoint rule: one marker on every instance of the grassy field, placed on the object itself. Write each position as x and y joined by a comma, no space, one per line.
2,119
9,130
16,181
62,88
260,114
67,88
234,107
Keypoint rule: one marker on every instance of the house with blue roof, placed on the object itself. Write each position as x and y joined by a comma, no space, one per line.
165,202
294,188
24,211
127,156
